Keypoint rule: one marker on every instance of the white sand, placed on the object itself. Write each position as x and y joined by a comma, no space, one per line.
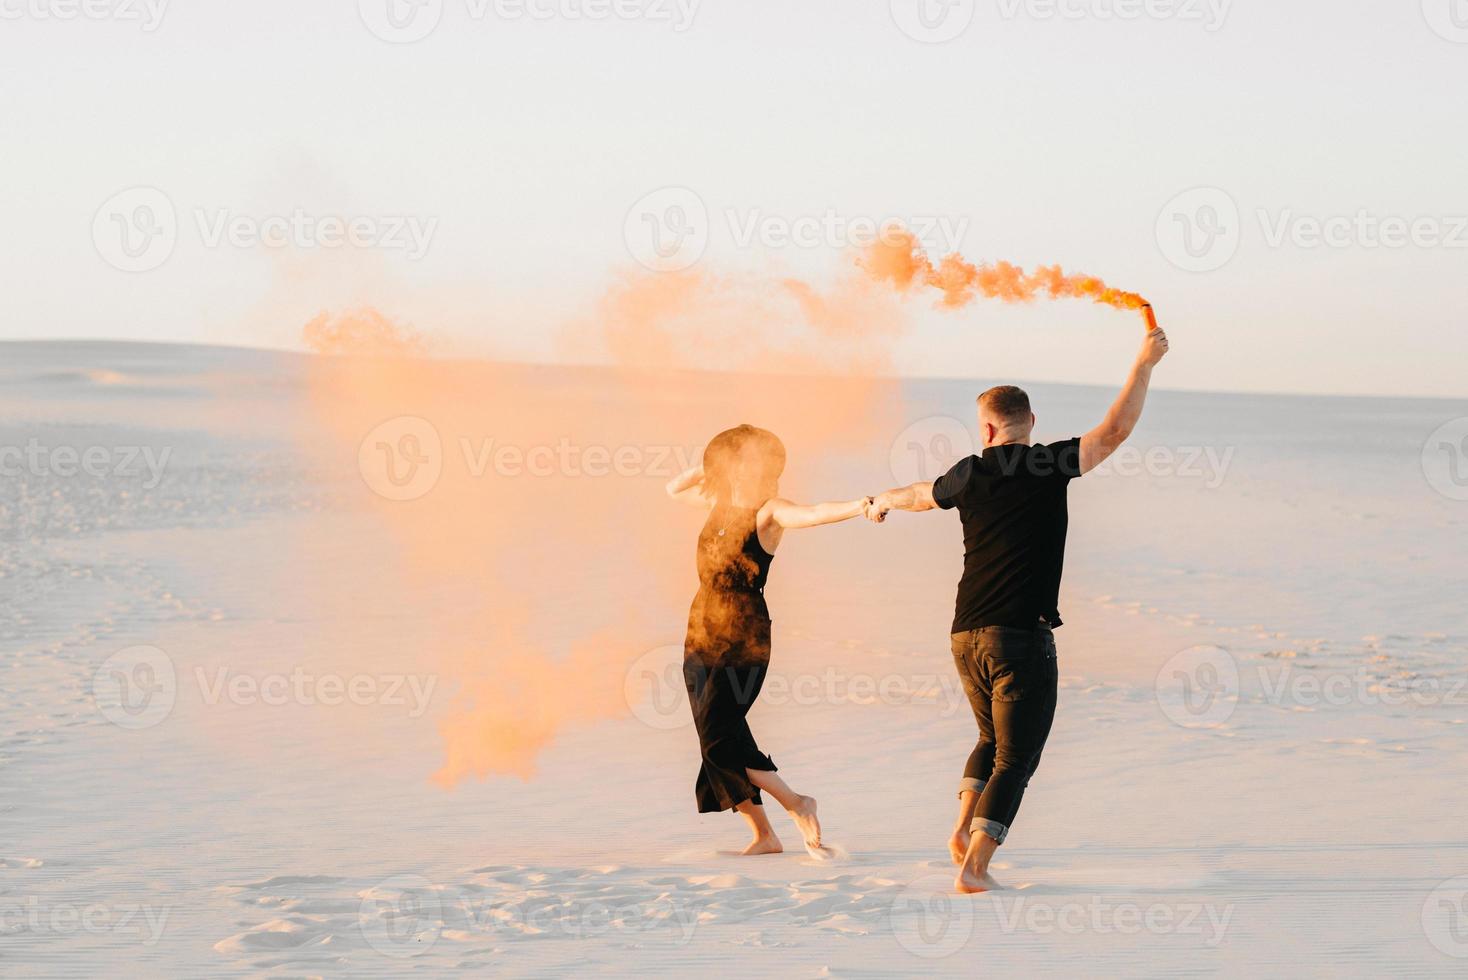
1314,827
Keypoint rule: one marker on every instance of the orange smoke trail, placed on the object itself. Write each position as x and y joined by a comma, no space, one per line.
898,259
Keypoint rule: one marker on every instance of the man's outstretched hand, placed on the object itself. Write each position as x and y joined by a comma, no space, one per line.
876,509
917,497
1154,347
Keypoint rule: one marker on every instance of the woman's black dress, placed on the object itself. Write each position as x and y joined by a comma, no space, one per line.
726,656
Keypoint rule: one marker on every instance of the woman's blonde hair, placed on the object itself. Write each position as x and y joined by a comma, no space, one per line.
721,463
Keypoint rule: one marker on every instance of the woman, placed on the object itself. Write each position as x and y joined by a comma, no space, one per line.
727,651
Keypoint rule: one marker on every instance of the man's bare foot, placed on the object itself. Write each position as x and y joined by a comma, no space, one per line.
970,882
764,845
958,844
804,815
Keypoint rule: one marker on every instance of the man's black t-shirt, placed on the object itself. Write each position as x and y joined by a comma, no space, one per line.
1012,503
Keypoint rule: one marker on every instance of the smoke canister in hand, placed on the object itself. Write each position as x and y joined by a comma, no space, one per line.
1151,317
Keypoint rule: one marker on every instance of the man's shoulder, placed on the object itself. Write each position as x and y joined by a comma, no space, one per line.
1047,459
949,488
1066,455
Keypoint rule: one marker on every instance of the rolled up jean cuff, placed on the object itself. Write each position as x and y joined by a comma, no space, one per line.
969,784
995,829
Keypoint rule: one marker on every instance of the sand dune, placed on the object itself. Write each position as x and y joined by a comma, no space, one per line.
1305,812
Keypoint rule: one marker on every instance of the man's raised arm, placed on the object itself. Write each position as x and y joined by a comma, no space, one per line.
915,497
1114,430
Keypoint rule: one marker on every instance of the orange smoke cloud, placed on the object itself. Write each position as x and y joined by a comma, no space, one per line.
537,581
361,332
898,259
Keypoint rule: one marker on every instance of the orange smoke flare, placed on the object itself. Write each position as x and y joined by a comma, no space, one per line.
898,259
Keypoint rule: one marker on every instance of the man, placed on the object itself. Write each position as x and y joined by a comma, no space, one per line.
1012,502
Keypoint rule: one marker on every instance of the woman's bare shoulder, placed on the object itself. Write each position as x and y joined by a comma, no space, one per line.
768,510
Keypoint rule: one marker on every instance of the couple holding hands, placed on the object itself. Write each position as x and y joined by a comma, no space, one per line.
1011,501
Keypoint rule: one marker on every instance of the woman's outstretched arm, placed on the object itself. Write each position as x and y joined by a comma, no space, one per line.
791,515
688,487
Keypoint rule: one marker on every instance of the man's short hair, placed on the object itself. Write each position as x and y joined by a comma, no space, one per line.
1006,403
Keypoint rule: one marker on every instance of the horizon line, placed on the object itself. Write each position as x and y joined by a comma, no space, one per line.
601,366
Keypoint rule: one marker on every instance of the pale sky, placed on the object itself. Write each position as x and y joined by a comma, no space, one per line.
515,145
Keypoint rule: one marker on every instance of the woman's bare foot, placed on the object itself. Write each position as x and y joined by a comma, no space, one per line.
764,845
958,843
804,815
